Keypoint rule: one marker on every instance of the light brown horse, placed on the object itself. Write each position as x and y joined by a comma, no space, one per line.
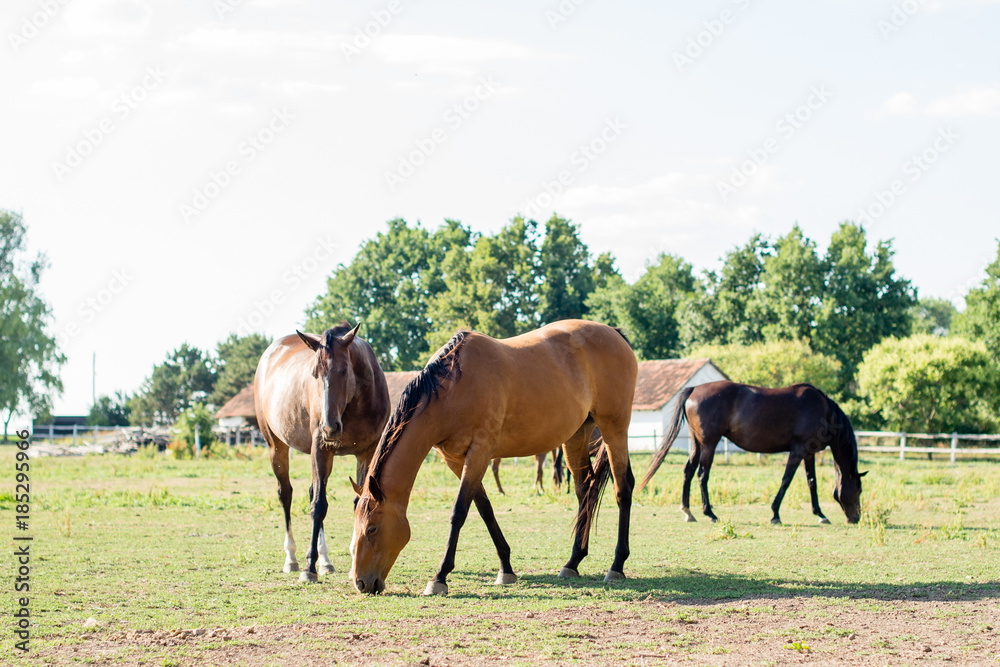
799,419
557,469
324,396
480,398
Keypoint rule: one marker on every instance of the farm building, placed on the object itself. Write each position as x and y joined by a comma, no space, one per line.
656,388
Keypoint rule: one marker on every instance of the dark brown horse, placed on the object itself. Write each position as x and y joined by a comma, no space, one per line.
480,398
799,419
324,396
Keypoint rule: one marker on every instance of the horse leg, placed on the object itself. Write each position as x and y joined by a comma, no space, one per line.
506,574
557,468
471,484
810,461
616,443
496,475
689,470
707,456
793,463
577,458
279,464
322,461
539,473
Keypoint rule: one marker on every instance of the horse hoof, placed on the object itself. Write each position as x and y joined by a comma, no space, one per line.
436,588
613,576
775,521
568,573
688,517
505,578
714,519
290,567
308,577
327,568
823,519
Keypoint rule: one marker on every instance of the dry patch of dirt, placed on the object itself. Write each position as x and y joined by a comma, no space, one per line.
752,631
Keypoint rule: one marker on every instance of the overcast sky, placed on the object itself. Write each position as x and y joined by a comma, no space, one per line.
194,168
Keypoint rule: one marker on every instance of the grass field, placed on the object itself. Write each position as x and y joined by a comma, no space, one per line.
150,547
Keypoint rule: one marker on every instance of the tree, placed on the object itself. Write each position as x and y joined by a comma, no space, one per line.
184,378
29,356
566,277
235,365
110,411
863,301
774,364
198,419
786,305
981,318
387,288
931,384
931,315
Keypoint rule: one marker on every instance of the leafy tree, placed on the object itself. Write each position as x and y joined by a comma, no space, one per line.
774,364
931,315
863,301
648,310
931,384
387,287
786,305
184,378
29,356
110,411
196,418
981,318
566,277
235,365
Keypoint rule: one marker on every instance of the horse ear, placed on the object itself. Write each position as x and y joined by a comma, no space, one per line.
313,342
863,474
375,489
348,337
357,489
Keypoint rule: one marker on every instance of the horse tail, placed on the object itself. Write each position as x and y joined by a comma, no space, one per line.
600,474
676,420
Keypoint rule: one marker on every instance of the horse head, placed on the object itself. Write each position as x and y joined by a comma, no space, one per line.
381,530
335,369
847,493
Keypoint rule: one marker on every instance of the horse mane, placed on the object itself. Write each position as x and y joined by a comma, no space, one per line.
444,365
841,433
622,334
335,332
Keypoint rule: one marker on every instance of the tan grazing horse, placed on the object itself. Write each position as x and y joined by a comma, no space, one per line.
324,396
539,472
480,398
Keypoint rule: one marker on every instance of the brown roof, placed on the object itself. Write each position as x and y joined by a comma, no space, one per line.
656,383
240,405
659,380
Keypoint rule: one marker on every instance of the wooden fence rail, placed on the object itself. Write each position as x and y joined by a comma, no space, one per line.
903,447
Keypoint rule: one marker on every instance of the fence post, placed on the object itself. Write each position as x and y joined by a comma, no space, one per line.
95,435
74,435
197,441
954,445
902,447
52,433
725,446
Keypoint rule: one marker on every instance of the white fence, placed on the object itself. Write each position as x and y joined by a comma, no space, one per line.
905,446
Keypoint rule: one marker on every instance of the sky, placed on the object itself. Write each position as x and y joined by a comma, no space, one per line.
193,169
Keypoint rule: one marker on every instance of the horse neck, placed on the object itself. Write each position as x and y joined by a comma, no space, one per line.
845,456
399,471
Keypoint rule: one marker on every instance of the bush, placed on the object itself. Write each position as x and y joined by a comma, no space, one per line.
196,417
776,364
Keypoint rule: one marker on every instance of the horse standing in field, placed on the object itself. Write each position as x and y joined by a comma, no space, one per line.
324,396
557,468
799,419
479,398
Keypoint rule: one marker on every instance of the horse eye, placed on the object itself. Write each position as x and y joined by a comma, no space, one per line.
371,530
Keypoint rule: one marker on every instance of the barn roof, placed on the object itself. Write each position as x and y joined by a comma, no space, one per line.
659,380
240,405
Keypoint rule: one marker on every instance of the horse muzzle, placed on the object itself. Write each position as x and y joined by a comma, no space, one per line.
372,587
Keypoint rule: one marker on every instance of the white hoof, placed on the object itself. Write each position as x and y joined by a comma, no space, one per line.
326,568
504,578
823,519
688,517
308,577
613,576
436,588
568,573
291,567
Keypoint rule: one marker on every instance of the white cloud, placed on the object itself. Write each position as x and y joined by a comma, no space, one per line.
899,104
67,87
256,42
422,48
981,101
107,18
299,88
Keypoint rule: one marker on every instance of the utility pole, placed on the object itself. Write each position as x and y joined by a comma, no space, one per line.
93,380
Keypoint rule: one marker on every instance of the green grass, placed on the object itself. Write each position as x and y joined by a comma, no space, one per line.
150,543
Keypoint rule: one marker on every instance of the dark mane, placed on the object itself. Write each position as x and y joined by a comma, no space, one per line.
444,365
622,334
335,332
